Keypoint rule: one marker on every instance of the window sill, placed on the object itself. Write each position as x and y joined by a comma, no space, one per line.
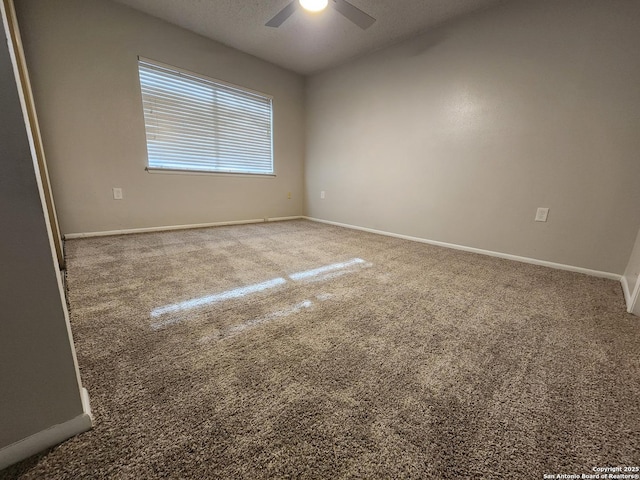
200,172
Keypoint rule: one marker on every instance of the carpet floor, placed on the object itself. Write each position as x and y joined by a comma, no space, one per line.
301,350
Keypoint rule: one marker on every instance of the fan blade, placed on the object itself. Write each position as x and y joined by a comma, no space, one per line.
354,14
282,15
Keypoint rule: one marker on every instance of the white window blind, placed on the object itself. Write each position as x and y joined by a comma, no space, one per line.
198,124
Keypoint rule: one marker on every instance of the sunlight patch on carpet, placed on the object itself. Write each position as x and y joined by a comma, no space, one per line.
321,273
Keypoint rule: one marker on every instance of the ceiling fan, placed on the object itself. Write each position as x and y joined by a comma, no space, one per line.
352,13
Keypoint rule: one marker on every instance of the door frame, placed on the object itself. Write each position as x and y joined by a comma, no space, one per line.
25,84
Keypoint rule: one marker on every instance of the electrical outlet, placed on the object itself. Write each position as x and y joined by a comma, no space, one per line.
322,194
542,214
117,193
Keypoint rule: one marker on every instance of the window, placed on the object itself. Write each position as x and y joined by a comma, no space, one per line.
194,123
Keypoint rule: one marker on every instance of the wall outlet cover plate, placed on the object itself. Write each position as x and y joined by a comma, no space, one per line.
542,214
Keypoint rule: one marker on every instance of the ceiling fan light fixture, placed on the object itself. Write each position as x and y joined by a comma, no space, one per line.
314,5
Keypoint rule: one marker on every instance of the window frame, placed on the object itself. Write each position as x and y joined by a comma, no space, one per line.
197,77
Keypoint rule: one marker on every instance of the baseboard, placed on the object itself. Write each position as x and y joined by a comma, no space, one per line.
633,296
47,438
626,292
108,233
86,405
507,256
283,219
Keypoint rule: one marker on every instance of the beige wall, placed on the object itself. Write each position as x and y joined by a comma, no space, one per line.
82,56
38,383
460,134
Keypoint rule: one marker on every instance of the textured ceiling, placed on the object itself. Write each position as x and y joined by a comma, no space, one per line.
306,43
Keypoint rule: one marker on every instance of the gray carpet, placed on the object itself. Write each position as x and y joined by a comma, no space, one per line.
301,350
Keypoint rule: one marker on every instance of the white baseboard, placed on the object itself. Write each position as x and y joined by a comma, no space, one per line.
627,293
630,297
48,438
86,405
108,233
283,219
534,261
